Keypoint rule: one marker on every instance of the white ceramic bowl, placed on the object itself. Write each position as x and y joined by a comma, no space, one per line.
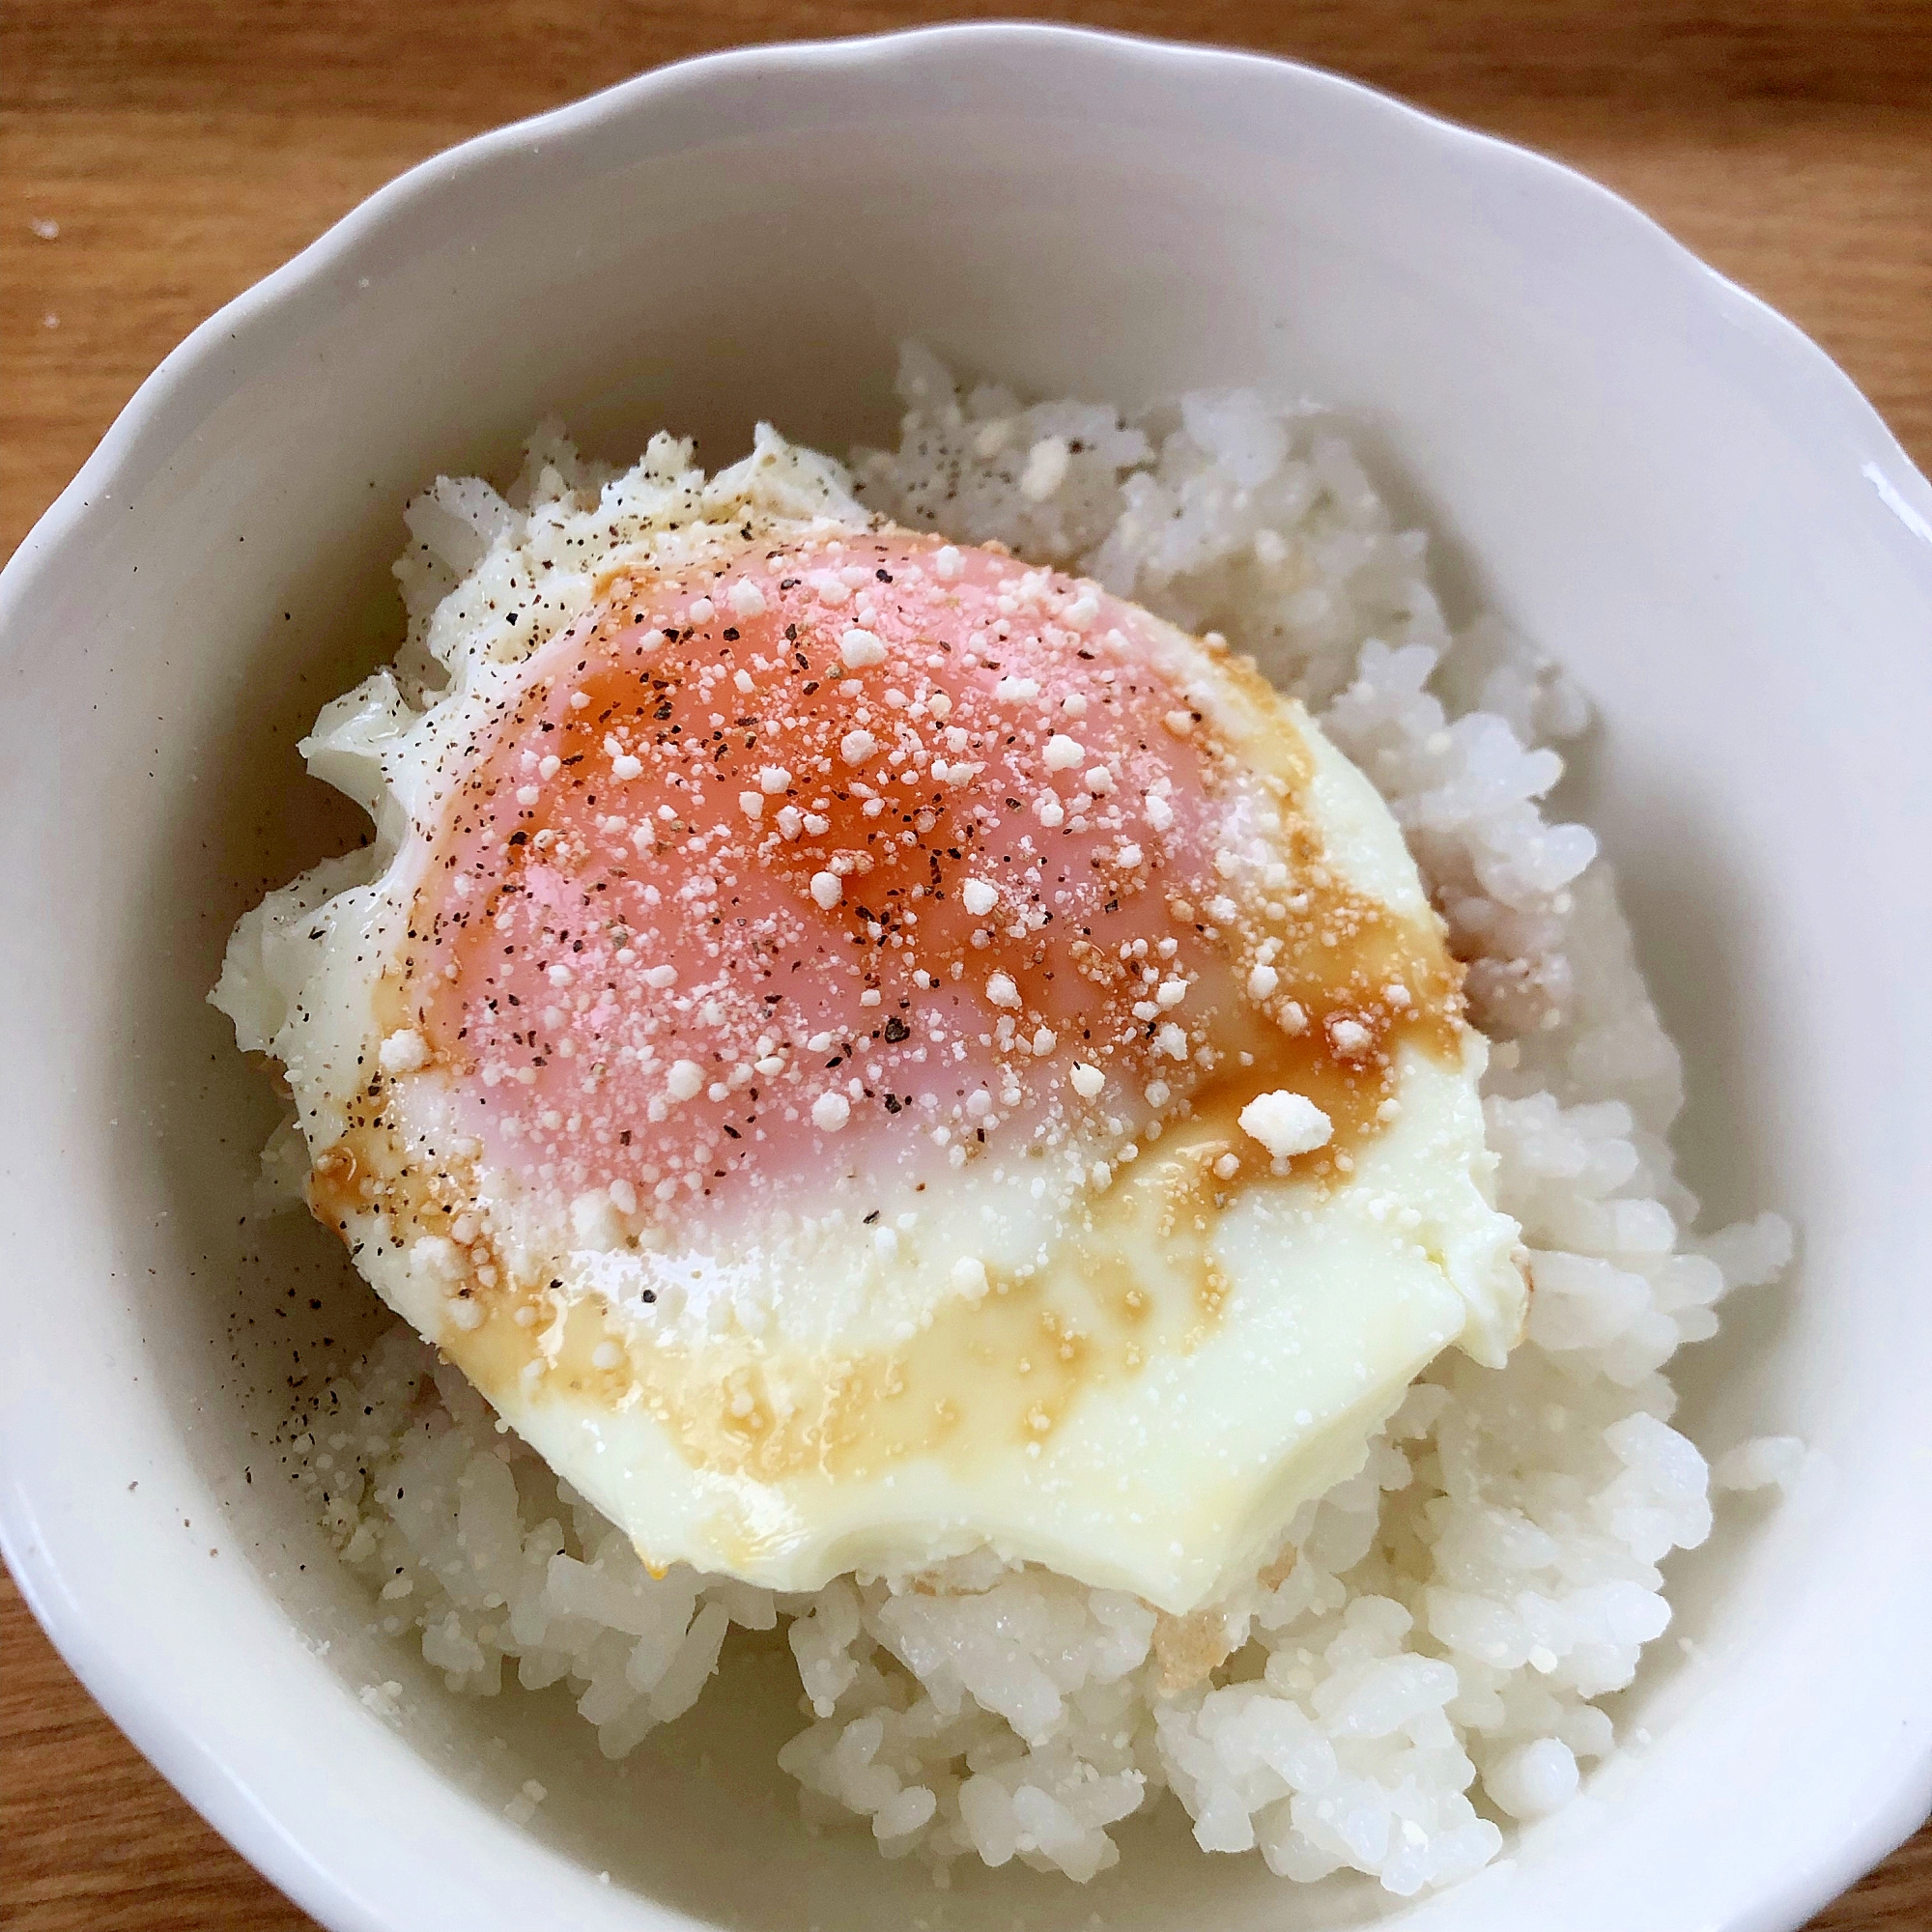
1648,471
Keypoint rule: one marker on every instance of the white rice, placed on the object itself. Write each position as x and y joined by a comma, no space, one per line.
1433,1664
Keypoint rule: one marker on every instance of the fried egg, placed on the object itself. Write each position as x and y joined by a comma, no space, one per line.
866,1050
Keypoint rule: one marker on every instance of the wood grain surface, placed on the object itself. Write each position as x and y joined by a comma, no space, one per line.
184,150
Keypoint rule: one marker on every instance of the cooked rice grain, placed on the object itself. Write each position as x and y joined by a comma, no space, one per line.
1428,1659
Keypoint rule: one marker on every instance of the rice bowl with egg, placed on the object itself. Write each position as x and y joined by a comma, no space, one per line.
1419,1650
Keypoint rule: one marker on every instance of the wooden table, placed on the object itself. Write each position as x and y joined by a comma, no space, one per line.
186,147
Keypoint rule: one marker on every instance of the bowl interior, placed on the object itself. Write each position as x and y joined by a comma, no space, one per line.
1654,480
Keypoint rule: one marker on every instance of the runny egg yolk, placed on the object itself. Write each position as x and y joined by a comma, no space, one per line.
878,851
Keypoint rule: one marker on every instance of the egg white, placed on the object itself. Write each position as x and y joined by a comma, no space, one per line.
1172,1480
